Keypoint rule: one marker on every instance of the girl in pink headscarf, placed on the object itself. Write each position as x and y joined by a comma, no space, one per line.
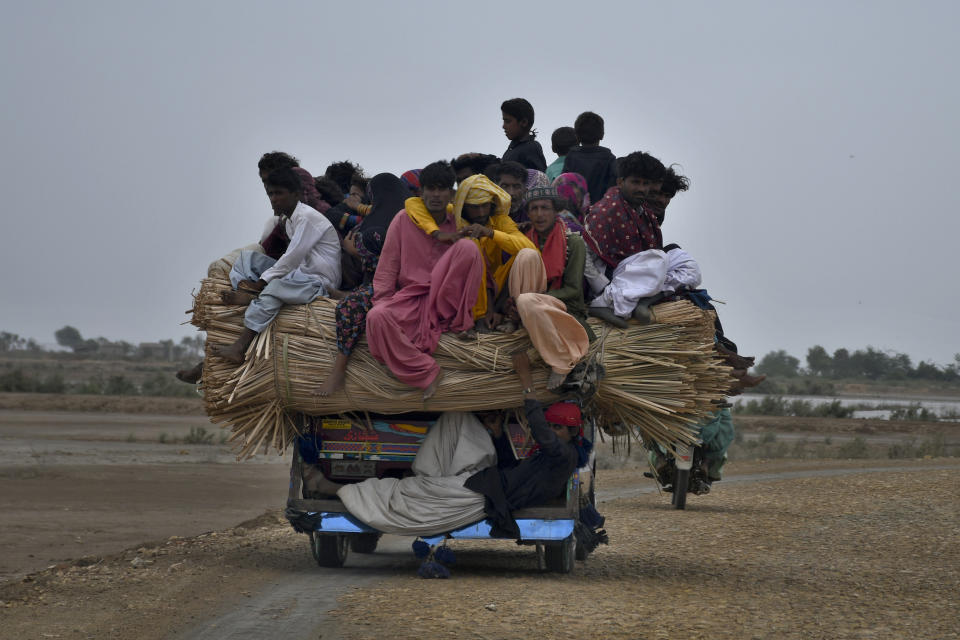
572,188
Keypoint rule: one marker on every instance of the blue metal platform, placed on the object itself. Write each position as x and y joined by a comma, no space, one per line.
532,529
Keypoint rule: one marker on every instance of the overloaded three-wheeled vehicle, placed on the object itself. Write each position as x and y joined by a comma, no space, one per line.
379,446
653,380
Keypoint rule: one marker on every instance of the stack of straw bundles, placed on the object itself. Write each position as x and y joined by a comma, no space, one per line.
659,378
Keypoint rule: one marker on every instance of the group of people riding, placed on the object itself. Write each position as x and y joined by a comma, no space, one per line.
482,243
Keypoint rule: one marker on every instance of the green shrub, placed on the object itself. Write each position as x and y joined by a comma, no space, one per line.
773,405
198,435
161,383
903,450
856,448
119,386
913,412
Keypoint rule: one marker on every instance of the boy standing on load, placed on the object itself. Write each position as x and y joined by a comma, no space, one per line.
518,127
308,269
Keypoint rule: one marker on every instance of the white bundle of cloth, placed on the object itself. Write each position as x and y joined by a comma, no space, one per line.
646,274
433,500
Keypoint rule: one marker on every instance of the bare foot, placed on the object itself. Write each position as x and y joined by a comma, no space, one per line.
606,314
743,381
234,352
331,385
315,482
191,375
432,389
752,381
469,334
335,380
555,380
336,294
642,314
507,327
237,297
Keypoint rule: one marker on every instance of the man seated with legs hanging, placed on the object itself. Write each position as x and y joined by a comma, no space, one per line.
275,236
462,475
624,235
308,269
423,287
546,296
388,195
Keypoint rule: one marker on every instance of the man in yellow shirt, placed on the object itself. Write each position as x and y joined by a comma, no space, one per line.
482,212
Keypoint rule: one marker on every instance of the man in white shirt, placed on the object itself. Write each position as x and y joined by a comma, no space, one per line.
309,268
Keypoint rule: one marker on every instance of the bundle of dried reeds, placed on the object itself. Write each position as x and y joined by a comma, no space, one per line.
659,377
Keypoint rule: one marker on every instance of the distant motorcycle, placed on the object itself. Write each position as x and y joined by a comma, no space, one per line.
680,470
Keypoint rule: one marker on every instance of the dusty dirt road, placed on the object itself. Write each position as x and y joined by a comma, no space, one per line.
851,555
854,554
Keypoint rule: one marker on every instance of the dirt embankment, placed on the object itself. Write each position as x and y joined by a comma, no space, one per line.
850,426
106,404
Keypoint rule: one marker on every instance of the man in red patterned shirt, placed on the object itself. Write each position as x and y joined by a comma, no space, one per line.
623,232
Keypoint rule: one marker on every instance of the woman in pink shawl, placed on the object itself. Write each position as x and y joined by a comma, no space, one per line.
573,191
422,287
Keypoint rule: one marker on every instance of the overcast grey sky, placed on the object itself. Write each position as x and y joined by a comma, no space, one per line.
820,138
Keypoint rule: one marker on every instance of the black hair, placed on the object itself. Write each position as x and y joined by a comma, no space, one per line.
329,190
674,182
284,178
589,128
562,140
274,160
641,165
359,181
437,175
342,173
519,109
510,168
476,162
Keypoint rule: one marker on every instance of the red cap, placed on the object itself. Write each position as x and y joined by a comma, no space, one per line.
564,413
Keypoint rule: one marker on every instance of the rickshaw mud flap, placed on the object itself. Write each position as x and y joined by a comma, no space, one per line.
303,521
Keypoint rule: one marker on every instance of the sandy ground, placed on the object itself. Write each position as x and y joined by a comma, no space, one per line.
864,555
869,556
109,533
111,404
82,484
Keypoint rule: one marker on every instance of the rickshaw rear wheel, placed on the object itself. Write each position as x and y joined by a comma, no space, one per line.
329,550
